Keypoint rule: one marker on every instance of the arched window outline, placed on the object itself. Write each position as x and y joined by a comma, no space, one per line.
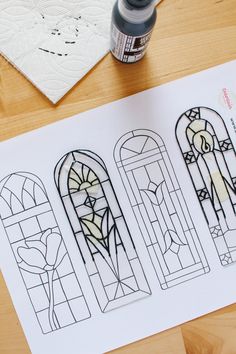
211,173
40,253
100,262
137,159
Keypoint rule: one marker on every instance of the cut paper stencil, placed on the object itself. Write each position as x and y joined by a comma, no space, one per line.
100,230
210,158
54,43
160,209
40,253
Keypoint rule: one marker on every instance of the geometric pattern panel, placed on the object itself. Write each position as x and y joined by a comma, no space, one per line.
202,132
103,238
40,253
159,207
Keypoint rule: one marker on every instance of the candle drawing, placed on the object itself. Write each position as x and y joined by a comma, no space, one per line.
210,158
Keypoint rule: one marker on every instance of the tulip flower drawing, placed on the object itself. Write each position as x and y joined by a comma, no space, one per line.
44,256
102,232
155,193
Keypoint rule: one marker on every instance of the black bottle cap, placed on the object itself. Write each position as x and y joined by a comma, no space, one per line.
139,3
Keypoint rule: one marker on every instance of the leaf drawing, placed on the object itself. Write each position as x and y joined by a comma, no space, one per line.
177,238
170,238
168,241
92,229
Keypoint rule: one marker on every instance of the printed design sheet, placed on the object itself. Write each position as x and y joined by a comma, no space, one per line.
123,216
160,208
40,253
210,157
100,230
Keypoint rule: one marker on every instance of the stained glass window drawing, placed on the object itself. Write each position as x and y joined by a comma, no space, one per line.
103,238
210,158
160,208
41,255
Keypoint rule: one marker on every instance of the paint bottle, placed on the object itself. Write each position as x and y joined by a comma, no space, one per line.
131,28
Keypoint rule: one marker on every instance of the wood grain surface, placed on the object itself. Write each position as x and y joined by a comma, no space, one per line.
189,36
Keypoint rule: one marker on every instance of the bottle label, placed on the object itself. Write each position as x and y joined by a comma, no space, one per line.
128,49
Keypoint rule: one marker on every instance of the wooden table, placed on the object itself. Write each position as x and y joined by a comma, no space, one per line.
190,36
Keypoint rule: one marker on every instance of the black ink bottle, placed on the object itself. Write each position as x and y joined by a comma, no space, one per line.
131,28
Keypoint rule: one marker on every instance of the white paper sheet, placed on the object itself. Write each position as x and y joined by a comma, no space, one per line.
54,43
142,247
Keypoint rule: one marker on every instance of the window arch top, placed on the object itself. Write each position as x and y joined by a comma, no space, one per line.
19,192
136,143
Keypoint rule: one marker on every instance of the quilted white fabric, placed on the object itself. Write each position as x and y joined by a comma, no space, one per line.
54,43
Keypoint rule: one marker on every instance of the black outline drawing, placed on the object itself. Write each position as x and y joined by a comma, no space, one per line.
209,155
159,207
100,230
40,252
